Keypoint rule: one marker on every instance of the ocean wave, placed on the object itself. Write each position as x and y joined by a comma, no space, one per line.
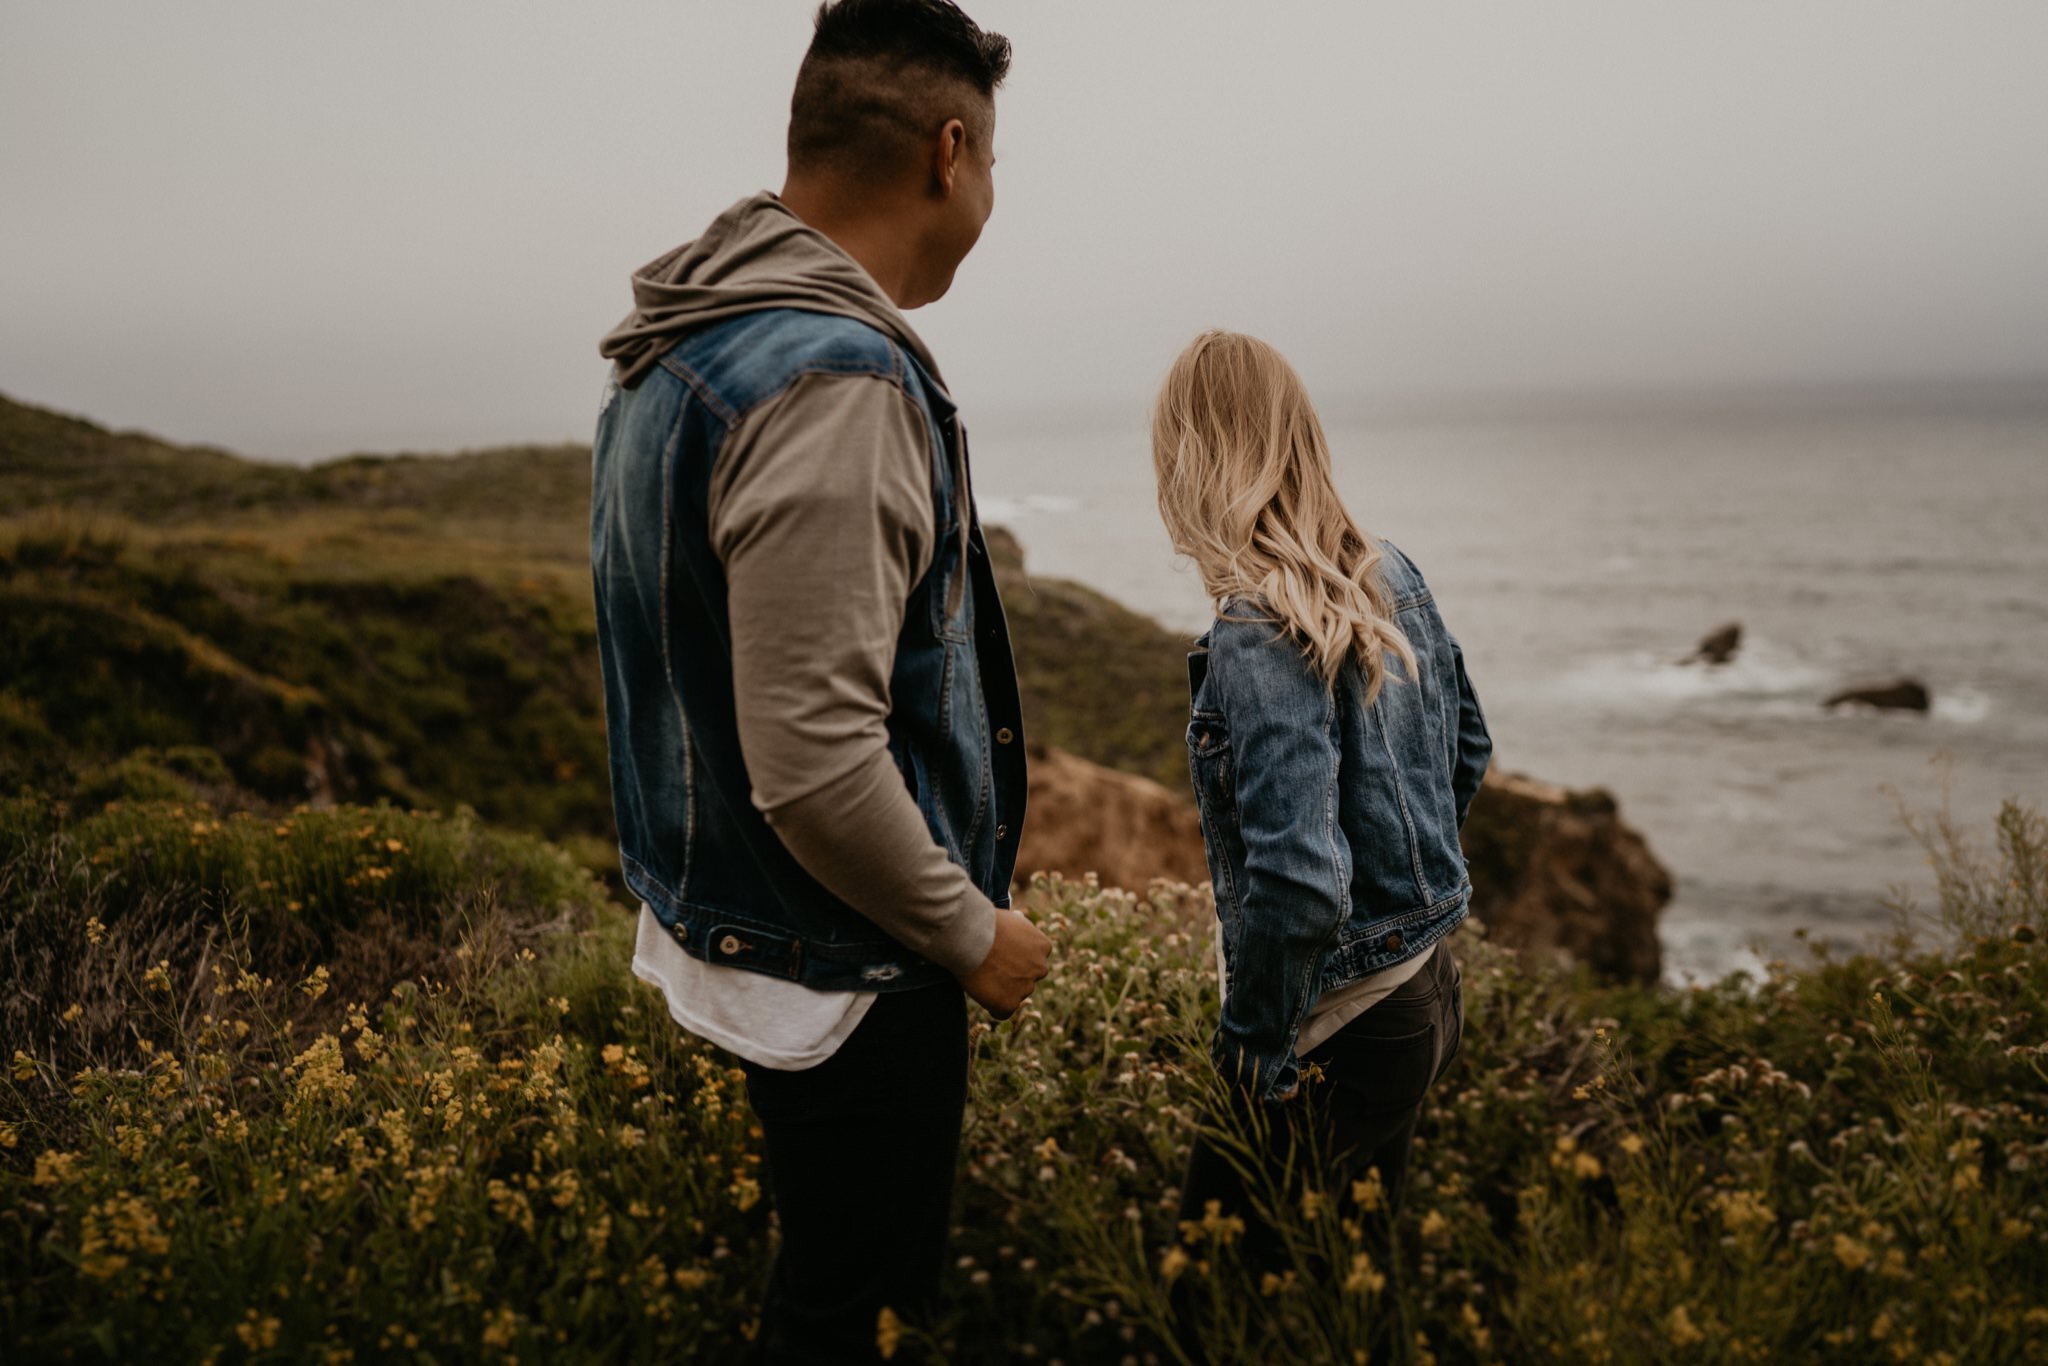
1961,706
1004,509
1763,672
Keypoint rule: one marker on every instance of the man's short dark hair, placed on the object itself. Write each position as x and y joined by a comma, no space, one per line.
881,77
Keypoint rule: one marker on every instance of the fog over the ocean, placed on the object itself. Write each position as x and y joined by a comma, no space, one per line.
300,230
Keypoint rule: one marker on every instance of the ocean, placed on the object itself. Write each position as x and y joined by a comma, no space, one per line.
1578,560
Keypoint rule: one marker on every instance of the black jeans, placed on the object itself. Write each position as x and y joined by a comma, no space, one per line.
859,1153
1361,1113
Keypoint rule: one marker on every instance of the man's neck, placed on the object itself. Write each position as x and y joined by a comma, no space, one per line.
876,242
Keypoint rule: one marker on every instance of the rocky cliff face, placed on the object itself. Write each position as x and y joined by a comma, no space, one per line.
1553,871
1084,818
1558,871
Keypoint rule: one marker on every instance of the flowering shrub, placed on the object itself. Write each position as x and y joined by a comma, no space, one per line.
518,1156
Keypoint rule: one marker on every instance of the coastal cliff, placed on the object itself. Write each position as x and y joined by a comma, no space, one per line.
418,629
1555,872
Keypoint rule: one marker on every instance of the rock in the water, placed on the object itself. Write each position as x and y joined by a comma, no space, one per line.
1718,646
1558,871
1903,695
1552,870
1081,817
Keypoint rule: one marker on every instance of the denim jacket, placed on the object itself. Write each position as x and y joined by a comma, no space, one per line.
1331,826
692,844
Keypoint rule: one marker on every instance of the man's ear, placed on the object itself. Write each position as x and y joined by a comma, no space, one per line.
952,146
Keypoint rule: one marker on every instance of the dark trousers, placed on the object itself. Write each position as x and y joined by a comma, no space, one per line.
1361,1113
859,1153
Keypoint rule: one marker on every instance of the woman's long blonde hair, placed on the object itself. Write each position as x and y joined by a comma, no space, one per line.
1246,492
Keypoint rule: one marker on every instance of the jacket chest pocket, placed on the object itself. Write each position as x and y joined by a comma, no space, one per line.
1210,762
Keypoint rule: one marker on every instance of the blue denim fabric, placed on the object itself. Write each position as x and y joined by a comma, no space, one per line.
691,843
1331,826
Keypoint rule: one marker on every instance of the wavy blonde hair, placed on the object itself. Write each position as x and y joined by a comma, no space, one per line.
1246,492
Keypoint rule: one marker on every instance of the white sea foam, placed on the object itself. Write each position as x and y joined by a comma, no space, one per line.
1003,511
1762,673
1961,706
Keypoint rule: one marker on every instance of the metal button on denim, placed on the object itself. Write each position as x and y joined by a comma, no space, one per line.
1393,942
1002,832
682,934
729,945
1003,736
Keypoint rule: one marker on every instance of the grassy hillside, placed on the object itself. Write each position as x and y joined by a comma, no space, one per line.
417,628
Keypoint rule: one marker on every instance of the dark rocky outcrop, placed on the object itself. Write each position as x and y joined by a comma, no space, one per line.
1903,694
1084,818
1717,646
1553,871
1558,871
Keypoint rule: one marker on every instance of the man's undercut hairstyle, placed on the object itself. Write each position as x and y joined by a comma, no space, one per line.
882,77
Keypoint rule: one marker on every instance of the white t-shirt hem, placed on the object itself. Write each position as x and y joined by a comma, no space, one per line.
769,1021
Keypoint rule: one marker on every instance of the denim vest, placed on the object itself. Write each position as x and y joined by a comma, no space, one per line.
691,843
1331,825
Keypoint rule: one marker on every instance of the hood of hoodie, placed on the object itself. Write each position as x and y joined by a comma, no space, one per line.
757,254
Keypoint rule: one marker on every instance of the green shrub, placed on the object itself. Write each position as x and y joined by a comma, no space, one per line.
523,1157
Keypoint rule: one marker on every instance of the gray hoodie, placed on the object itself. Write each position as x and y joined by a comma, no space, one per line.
821,514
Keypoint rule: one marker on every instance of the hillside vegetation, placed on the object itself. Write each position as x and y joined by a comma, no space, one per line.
322,1046
369,1085
415,628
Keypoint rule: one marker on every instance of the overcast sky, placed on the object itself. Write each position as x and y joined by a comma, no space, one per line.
298,230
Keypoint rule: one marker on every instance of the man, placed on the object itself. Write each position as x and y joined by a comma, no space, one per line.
817,758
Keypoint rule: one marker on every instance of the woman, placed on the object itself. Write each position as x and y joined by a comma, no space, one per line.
1335,747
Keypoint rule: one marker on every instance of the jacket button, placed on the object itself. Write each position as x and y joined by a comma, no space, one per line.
682,934
1393,942
1003,736
729,946
1002,832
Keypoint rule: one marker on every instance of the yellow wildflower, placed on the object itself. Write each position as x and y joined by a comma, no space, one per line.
1369,1194
501,1329
1853,1253
1172,1264
888,1332
257,1331
1364,1279
1475,1328
1681,1330
95,930
1434,1225
1631,1144
1741,1211
54,1169
24,1066
1214,1222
